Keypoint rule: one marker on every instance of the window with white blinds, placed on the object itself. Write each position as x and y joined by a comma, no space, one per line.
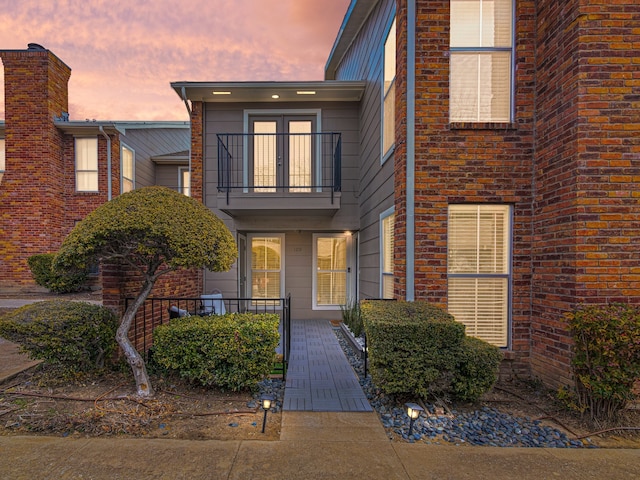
387,222
86,153
478,267
481,44
330,282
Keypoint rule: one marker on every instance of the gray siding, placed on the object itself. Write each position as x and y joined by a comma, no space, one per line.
363,61
298,229
150,141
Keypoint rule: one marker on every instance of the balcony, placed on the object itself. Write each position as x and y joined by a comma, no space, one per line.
289,173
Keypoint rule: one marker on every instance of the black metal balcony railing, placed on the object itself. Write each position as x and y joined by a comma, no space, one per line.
292,163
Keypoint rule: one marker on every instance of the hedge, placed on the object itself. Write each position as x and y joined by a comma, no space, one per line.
416,348
78,336
233,351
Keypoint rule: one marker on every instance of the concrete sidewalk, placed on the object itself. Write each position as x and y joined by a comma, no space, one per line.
313,445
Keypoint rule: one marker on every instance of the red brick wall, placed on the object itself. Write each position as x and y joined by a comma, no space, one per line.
31,203
38,202
120,283
197,150
587,204
464,163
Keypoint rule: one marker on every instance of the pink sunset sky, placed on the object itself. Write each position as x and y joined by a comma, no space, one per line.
124,53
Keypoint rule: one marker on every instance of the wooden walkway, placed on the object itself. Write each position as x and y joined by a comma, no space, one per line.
319,377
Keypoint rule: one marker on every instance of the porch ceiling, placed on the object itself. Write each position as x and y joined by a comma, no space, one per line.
232,92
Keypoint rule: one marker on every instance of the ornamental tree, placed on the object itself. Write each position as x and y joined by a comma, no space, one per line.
154,230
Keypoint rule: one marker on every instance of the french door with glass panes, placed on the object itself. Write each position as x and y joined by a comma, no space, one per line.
282,153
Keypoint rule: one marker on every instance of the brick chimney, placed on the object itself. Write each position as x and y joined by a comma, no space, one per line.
31,192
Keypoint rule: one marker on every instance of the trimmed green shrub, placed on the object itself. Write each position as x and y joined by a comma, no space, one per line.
416,348
351,317
606,360
477,369
45,275
233,351
77,336
412,346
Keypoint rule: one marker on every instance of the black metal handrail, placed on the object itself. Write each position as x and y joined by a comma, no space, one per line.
157,311
238,162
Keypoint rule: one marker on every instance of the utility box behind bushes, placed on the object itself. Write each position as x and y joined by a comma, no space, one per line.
419,349
233,351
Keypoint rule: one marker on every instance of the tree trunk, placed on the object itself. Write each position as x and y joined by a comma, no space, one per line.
143,385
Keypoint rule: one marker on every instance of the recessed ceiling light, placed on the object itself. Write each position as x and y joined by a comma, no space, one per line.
275,95
221,93
306,92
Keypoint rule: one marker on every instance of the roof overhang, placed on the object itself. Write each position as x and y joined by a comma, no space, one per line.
270,92
87,128
177,158
357,14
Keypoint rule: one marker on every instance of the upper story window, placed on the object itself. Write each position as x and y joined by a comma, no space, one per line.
184,181
389,92
127,169
86,150
481,46
387,223
2,158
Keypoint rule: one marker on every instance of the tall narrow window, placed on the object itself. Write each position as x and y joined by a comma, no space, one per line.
481,46
387,222
184,181
479,269
86,151
330,282
389,91
2,158
266,266
127,165
265,156
299,155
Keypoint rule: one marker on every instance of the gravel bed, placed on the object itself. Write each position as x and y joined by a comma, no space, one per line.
485,426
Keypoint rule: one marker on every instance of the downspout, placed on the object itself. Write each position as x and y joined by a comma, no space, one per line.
109,181
411,149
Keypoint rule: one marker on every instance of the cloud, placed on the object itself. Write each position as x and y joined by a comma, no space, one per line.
124,54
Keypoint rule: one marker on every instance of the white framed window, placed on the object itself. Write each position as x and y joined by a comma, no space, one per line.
481,69
330,270
389,92
3,158
86,154
479,269
266,275
127,169
184,181
387,223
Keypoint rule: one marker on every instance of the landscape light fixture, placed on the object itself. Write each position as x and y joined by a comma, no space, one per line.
413,410
266,400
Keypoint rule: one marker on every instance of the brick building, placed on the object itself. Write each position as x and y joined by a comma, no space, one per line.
489,162
54,171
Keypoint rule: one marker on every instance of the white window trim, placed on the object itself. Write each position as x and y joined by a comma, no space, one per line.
384,155
387,213
512,82
278,111
249,281
75,164
509,261
314,286
124,146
